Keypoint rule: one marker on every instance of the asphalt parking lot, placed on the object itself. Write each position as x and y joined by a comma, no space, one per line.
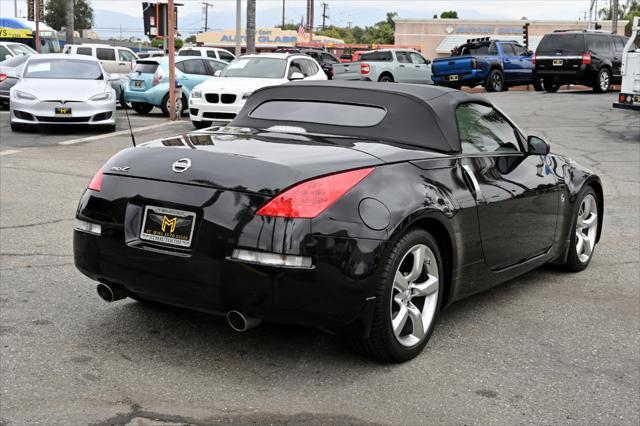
546,348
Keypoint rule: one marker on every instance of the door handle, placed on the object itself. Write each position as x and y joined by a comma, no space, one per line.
466,170
122,63
401,66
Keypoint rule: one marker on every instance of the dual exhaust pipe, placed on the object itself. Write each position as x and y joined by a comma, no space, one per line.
236,319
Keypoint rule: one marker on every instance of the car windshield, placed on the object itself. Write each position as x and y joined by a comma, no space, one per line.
552,44
256,68
21,49
63,69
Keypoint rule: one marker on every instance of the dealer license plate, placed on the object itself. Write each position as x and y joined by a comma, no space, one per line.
453,77
168,226
137,83
65,111
557,62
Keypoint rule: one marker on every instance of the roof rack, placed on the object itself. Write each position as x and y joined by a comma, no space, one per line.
582,30
478,40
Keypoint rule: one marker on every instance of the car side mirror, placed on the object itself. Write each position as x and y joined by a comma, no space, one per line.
7,56
428,61
296,76
529,52
217,73
537,146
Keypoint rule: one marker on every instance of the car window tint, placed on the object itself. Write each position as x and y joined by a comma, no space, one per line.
226,56
332,113
125,55
520,51
295,67
189,53
474,50
416,58
313,68
508,49
493,49
483,129
146,67
84,51
212,54
215,66
105,54
403,57
194,66
599,43
619,43
384,55
4,52
329,58
180,66
563,43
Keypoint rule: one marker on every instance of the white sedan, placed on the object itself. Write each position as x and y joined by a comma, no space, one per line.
63,89
221,98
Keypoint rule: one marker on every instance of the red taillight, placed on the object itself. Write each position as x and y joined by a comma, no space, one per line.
96,181
533,59
586,58
3,77
364,68
622,97
309,199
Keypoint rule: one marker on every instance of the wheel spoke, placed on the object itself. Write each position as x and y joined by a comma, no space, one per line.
416,320
579,242
400,320
588,245
400,282
418,263
589,221
427,288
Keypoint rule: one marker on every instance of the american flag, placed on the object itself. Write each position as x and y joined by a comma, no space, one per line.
301,32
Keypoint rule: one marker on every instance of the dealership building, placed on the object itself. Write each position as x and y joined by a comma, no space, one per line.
267,39
436,37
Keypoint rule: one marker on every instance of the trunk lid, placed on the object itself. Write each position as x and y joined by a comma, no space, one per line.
452,65
254,163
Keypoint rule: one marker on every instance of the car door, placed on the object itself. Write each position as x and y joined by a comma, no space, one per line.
195,72
525,64
421,69
516,193
404,72
509,62
107,57
618,48
125,60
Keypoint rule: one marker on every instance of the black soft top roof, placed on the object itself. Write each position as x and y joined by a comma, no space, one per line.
418,115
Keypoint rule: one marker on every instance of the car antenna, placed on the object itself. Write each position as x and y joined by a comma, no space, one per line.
133,138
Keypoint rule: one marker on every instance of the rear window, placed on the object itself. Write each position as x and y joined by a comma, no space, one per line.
146,67
84,51
599,43
105,54
552,44
225,56
329,113
189,53
377,56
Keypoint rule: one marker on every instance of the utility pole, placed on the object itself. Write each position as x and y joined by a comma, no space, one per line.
15,8
206,7
238,28
70,22
310,7
170,37
283,8
36,17
614,17
325,15
251,27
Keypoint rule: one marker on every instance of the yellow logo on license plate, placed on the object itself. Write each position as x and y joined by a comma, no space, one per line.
169,222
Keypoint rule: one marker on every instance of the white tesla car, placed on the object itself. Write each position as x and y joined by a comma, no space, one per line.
221,98
63,89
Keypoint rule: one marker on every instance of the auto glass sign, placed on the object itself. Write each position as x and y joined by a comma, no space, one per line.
487,30
264,36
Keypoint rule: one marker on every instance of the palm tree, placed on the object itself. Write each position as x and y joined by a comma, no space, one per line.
251,26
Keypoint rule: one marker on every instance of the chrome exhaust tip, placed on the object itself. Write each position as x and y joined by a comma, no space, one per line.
240,322
111,293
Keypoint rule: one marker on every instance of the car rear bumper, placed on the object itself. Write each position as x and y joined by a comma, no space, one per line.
336,294
87,113
473,76
150,96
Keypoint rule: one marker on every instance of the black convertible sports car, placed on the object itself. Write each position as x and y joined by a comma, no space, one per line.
353,207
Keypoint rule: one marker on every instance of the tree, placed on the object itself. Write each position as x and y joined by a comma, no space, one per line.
251,26
630,16
449,14
290,27
191,39
158,43
55,11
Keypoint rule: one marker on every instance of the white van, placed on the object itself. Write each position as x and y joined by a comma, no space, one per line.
114,59
207,52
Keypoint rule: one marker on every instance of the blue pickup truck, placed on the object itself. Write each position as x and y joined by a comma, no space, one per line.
494,64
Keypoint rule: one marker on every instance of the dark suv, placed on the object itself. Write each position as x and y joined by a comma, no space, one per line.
590,58
324,58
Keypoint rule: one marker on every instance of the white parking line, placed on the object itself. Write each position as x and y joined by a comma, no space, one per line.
119,133
9,152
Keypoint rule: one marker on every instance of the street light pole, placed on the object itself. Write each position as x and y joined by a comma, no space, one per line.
614,17
172,61
238,28
36,17
70,23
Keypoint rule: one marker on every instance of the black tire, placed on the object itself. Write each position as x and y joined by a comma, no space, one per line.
382,343
110,128
602,82
141,108
551,85
201,124
124,104
573,262
18,127
494,81
164,106
538,84
385,78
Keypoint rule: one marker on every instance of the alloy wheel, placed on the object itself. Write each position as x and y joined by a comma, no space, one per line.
497,82
414,295
586,228
178,106
604,81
